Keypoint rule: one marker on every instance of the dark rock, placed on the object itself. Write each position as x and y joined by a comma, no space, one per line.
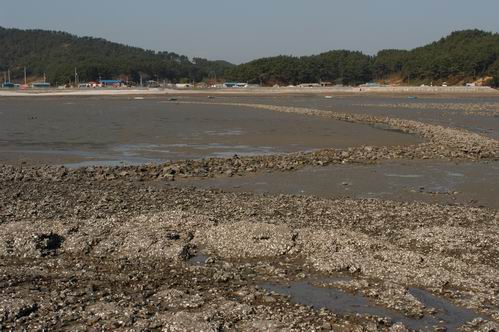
48,243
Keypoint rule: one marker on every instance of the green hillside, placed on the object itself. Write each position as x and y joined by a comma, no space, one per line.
343,67
58,53
463,56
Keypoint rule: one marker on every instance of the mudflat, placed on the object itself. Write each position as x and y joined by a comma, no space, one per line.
123,131
444,182
165,246
474,113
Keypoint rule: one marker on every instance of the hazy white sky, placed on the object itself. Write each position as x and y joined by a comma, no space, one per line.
238,31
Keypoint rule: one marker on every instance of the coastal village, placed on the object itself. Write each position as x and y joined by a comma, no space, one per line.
120,84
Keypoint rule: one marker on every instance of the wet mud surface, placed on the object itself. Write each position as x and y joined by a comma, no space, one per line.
80,132
476,114
445,315
473,184
354,238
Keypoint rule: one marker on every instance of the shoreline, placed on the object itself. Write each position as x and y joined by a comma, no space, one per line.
419,91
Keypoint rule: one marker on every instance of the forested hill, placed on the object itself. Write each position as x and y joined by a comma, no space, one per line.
460,57
463,56
57,54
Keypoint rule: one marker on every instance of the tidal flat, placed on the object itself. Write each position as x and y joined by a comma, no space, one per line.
352,218
79,131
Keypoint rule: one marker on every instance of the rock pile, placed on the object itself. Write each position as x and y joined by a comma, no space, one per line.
484,109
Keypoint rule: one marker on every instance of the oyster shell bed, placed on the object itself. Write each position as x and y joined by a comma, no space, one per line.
109,248
113,255
482,109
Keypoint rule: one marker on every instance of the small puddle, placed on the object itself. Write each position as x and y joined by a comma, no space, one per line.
447,315
451,316
386,127
459,175
407,176
199,259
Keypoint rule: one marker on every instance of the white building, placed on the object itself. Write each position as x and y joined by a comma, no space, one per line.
183,85
235,85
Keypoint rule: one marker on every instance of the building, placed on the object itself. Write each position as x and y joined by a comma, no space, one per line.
201,85
40,85
371,85
111,83
309,85
235,85
152,84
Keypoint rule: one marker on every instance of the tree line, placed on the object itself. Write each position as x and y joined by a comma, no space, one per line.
463,56
56,54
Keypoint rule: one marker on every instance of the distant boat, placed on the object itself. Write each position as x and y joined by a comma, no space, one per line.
412,97
173,99
328,97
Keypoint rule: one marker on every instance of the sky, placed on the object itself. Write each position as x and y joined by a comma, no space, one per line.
242,30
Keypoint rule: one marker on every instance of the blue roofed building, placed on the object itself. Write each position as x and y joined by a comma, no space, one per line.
112,83
9,85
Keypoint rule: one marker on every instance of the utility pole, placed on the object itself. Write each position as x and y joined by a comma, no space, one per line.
8,75
44,78
140,80
25,81
76,78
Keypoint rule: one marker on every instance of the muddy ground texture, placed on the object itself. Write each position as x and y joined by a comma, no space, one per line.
115,254
124,249
441,143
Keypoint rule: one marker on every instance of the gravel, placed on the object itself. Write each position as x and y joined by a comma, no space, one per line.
108,248
114,255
